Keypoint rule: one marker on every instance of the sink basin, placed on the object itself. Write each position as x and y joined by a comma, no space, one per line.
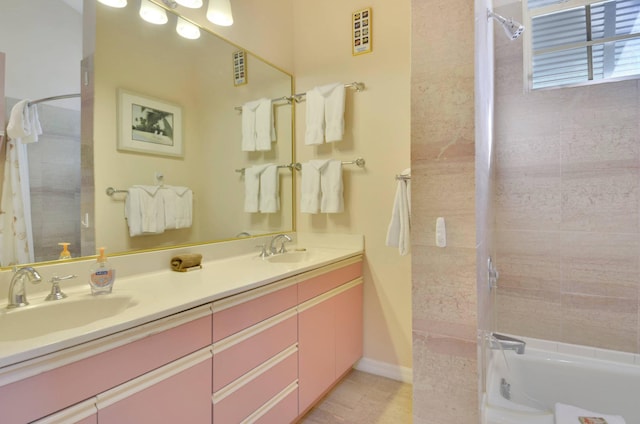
292,257
52,316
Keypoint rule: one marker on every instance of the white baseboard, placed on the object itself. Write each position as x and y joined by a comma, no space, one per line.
385,369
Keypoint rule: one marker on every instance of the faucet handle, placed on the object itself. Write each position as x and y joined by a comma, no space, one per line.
263,252
56,293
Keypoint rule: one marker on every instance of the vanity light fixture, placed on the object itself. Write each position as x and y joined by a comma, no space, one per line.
114,3
193,4
153,13
219,12
187,30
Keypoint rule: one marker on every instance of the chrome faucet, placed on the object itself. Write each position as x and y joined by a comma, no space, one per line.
272,245
500,341
17,291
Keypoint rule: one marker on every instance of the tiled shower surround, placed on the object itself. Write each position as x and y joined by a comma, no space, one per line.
567,207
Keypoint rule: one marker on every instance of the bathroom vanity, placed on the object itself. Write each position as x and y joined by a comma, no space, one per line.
246,340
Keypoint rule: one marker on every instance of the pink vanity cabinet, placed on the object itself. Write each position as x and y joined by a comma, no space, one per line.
255,355
329,329
42,386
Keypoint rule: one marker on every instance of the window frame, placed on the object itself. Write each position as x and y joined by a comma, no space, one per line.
528,15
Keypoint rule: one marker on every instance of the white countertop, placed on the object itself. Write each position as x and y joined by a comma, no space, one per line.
152,295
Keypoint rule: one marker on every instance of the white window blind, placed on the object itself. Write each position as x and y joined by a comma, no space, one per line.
580,42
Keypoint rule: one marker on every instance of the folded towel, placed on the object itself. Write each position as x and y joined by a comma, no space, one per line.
399,230
182,263
178,206
269,199
325,110
331,187
252,187
257,125
144,211
310,186
567,414
24,122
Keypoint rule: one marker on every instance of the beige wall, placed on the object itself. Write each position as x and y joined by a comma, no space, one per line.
567,205
443,165
377,129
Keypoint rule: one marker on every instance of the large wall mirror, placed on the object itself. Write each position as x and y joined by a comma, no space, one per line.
78,155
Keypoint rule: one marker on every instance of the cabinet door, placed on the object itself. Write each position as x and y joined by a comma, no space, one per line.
316,347
349,330
176,393
82,413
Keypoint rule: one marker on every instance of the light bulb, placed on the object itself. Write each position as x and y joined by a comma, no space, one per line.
187,29
114,3
153,13
193,4
219,12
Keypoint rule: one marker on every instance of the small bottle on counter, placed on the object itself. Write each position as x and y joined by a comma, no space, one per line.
102,275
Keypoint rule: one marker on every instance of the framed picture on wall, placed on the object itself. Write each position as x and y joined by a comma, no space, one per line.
149,125
361,31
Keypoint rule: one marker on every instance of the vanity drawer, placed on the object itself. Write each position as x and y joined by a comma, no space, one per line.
67,377
242,352
317,285
236,402
236,313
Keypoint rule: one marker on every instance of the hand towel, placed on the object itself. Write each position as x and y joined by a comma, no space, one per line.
399,230
24,122
257,125
269,199
325,110
331,187
178,206
568,414
252,187
182,263
310,186
144,210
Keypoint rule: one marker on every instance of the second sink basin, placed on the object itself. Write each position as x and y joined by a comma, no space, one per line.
49,317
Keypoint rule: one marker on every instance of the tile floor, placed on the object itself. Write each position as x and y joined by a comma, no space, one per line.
364,398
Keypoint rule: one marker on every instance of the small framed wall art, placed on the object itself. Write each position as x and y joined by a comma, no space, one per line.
149,125
239,68
361,31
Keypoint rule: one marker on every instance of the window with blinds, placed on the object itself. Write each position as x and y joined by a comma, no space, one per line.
574,42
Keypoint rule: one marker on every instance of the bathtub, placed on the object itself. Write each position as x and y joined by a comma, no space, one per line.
538,379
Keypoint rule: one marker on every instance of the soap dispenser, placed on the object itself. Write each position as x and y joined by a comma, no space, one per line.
102,275
65,254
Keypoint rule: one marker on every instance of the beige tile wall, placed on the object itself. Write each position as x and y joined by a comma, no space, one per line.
443,184
567,207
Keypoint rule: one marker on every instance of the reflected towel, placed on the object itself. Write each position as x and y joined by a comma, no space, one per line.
252,187
257,125
399,230
182,263
269,199
325,112
567,414
144,210
178,206
24,122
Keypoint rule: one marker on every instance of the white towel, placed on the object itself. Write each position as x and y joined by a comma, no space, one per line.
567,414
325,110
310,186
144,210
331,187
269,190
252,187
178,206
257,125
399,230
24,122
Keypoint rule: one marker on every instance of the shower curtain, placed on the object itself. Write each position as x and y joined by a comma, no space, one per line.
16,234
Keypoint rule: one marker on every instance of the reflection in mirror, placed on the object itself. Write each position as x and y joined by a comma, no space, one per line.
154,62
41,202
